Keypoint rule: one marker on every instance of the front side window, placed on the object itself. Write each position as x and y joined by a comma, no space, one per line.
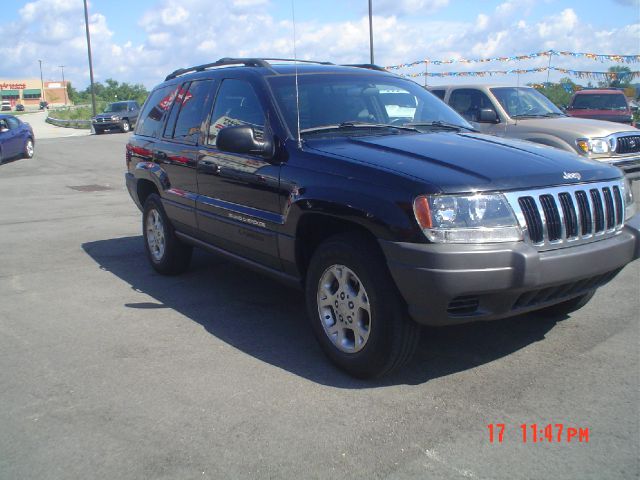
525,102
236,104
344,100
468,102
13,123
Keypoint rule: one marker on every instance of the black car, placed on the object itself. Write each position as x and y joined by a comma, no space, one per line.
120,116
19,107
16,138
384,205
43,105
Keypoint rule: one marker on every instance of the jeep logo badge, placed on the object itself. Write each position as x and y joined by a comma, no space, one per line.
571,176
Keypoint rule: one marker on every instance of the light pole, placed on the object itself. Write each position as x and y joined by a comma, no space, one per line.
64,85
42,99
86,24
370,33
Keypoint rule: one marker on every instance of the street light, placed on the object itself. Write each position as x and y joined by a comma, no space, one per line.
370,33
86,24
42,99
64,85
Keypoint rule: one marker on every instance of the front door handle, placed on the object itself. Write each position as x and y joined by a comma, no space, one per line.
208,167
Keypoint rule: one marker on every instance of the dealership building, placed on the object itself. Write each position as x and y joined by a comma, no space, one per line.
29,92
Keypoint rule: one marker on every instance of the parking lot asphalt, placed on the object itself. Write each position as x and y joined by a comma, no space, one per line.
108,370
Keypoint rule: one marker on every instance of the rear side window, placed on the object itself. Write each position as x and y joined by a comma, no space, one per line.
155,110
236,104
438,93
191,103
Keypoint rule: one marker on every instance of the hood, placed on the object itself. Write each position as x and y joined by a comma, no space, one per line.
572,127
463,162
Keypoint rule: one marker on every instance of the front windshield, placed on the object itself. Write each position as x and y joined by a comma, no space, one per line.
594,101
327,100
116,107
525,102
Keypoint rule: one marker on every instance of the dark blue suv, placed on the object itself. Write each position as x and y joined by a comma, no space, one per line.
379,201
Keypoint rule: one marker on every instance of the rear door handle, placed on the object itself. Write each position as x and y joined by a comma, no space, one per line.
160,156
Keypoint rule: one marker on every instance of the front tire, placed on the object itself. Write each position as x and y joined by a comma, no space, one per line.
165,252
29,148
356,312
125,126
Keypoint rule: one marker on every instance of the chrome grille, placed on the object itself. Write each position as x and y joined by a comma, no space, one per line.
628,144
573,214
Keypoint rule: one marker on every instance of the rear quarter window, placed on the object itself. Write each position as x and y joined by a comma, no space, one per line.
155,110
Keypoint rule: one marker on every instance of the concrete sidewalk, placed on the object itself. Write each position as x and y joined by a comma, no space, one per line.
42,129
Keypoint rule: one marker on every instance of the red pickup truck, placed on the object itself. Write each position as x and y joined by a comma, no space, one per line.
601,104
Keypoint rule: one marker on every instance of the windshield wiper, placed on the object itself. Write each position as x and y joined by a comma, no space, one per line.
352,125
440,124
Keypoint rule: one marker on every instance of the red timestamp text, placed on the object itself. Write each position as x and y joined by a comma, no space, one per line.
535,433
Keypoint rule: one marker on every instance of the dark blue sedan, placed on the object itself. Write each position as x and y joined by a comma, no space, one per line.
16,138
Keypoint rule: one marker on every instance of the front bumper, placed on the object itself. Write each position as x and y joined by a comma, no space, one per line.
452,284
108,125
629,165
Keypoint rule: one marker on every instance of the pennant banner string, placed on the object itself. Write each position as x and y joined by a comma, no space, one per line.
491,73
517,58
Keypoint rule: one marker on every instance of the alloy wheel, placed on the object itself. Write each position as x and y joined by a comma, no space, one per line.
344,309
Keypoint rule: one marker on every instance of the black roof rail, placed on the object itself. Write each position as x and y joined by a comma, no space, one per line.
369,66
249,62
296,60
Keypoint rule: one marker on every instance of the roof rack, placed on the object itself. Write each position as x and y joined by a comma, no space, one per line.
247,62
296,60
369,66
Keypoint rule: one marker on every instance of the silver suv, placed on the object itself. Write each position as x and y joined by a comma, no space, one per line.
526,114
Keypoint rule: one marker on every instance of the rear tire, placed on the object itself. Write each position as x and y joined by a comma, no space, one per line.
165,252
355,309
569,306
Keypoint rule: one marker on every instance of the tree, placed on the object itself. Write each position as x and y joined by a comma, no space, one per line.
622,79
559,93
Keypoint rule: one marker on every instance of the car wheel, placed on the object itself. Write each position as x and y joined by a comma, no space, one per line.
98,131
355,309
29,148
569,306
165,252
125,126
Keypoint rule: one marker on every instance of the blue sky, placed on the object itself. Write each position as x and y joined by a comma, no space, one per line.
141,40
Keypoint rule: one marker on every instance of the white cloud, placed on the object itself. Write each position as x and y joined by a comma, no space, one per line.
194,33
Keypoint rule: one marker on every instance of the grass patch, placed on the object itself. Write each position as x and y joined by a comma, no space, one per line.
76,113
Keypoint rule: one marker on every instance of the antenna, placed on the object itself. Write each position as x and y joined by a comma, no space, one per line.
518,97
295,60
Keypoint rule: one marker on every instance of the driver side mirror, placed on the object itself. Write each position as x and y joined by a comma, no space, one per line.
487,115
242,139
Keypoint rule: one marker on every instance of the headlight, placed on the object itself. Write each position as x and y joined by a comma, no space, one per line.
629,204
593,145
115,117
478,218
